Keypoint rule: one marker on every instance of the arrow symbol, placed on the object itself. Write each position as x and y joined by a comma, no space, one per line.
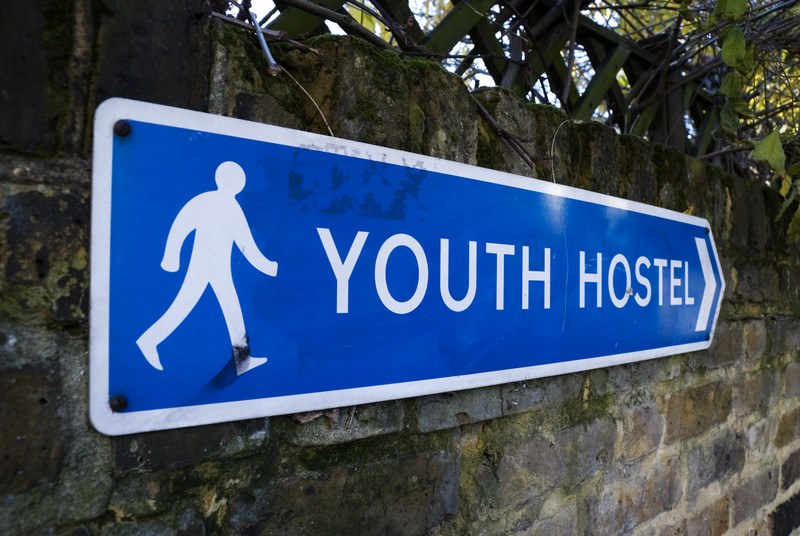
711,285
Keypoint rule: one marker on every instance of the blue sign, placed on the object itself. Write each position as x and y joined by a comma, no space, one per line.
241,270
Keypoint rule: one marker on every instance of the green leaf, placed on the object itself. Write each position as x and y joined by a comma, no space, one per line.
732,10
793,233
769,151
728,123
731,85
748,62
733,47
741,108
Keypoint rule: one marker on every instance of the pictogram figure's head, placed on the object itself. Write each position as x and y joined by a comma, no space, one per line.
230,177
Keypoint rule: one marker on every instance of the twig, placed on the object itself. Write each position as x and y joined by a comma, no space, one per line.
322,115
506,136
573,32
347,22
723,152
272,35
553,150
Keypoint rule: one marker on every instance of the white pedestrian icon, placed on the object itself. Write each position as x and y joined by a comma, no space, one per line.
218,223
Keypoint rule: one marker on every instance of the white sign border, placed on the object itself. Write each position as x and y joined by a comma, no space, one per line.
119,423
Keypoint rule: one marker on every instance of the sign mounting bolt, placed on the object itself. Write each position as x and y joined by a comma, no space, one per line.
118,403
122,128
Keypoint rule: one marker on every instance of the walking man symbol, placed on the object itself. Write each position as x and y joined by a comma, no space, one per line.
218,223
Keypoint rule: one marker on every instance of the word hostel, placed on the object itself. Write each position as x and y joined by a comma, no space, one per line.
664,277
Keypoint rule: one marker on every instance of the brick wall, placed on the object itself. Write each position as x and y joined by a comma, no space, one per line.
703,443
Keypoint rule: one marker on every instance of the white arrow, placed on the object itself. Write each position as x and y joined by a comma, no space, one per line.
711,285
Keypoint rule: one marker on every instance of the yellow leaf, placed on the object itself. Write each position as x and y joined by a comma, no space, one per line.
786,185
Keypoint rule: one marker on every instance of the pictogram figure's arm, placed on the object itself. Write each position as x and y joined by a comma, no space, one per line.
249,248
180,229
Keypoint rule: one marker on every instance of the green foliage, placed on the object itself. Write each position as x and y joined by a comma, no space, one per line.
769,151
732,10
733,47
793,233
732,84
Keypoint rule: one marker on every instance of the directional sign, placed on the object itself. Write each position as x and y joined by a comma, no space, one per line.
241,270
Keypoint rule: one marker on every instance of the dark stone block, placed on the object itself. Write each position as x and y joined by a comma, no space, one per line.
46,267
739,213
788,428
187,446
721,459
786,334
540,461
80,531
35,59
623,506
154,51
405,496
31,442
786,517
728,346
644,187
696,409
791,380
757,284
756,393
790,470
753,494
198,529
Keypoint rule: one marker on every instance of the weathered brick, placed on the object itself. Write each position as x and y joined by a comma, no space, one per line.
352,423
755,393
637,497
790,286
80,531
759,438
753,494
642,429
717,461
33,437
565,459
788,428
46,244
790,470
35,72
188,446
740,221
728,345
755,339
187,522
562,521
787,336
786,517
711,521
631,376
758,283
696,409
451,410
138,497
791,380
405,496
162,59
525,396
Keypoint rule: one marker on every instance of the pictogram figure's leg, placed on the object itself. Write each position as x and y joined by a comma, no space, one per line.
232,311
189,294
